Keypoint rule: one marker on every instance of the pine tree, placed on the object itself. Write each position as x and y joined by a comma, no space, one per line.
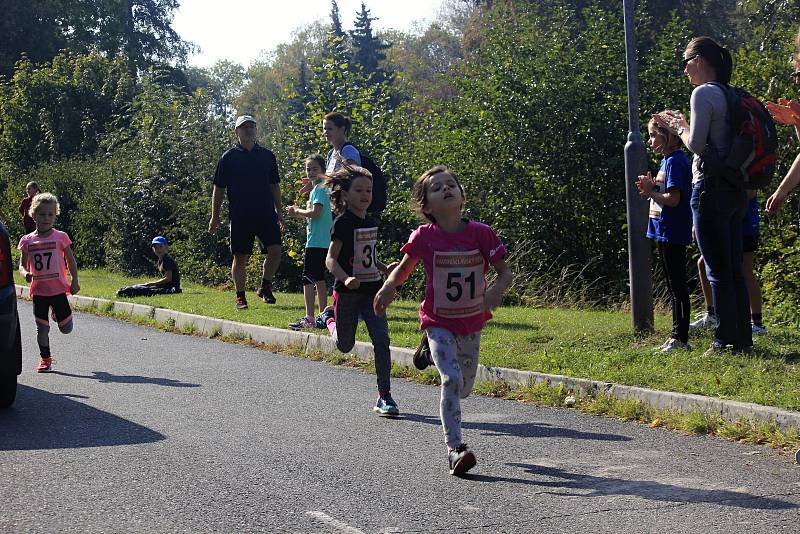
367,48
336,23
335,45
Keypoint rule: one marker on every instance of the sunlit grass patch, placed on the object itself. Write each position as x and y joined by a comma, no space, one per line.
592,344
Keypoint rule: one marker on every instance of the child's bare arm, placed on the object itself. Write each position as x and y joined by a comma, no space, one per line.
494,295
648,189
388,292
670,199
72,265
313,213
23,267
386,268
336,270
165,281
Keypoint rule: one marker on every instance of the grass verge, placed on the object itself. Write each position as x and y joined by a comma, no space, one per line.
597,345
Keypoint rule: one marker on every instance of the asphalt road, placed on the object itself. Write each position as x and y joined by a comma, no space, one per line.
143,431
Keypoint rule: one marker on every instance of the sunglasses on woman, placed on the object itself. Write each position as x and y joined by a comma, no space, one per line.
687,60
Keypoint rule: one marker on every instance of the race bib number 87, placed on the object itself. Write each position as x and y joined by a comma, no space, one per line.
43,260
458,284
365,266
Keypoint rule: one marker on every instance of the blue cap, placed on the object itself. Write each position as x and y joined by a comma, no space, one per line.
159,240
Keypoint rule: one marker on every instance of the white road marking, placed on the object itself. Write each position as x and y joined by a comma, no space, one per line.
334,523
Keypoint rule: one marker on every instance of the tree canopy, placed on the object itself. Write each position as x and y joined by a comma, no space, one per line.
140,30
525,101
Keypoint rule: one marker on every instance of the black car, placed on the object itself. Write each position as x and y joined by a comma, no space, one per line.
10,339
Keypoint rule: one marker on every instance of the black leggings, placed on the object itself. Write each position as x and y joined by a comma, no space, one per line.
673,259
62,314
144,291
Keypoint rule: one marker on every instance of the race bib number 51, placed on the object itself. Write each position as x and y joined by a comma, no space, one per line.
365,266
458,284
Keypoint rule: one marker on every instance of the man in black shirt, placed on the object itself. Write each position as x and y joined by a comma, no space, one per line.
249,174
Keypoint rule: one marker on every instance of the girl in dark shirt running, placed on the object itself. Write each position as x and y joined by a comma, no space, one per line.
353,262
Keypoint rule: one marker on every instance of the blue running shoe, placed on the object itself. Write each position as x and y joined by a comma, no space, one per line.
321,320
386,406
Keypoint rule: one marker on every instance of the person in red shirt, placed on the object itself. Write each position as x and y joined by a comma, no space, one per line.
32,189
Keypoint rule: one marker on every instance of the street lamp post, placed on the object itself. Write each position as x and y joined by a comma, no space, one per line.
635,164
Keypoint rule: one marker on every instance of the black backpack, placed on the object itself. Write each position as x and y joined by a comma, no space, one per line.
754,142
379,185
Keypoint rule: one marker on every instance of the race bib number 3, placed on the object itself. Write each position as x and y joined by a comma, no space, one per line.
458,284
655,207
365,266
43,260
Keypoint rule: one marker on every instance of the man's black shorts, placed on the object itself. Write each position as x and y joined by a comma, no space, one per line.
750,243
314,265
243,234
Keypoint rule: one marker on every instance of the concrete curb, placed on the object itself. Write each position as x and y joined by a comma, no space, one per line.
680,402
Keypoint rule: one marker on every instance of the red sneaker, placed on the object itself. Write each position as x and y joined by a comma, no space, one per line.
45,365
241,303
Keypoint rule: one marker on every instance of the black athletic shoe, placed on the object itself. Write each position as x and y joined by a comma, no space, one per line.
461,460
422,356
265,293
322,319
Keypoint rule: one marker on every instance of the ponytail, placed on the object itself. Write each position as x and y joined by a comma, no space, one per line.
726,71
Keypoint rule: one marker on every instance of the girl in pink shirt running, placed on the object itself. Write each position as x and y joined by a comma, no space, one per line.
45,252
457,253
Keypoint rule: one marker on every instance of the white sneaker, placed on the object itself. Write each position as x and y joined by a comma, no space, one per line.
673,344
305,322
758,330
703,321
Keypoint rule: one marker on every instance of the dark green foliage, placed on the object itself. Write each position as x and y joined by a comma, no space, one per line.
29,29
138,29
142,31
83,188
537,134
336,23
162,165
61,109
368,49
526,101
762,67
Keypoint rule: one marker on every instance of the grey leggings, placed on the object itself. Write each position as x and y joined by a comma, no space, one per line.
456,358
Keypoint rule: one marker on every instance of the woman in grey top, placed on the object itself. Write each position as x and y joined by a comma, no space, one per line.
718,206
336,130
